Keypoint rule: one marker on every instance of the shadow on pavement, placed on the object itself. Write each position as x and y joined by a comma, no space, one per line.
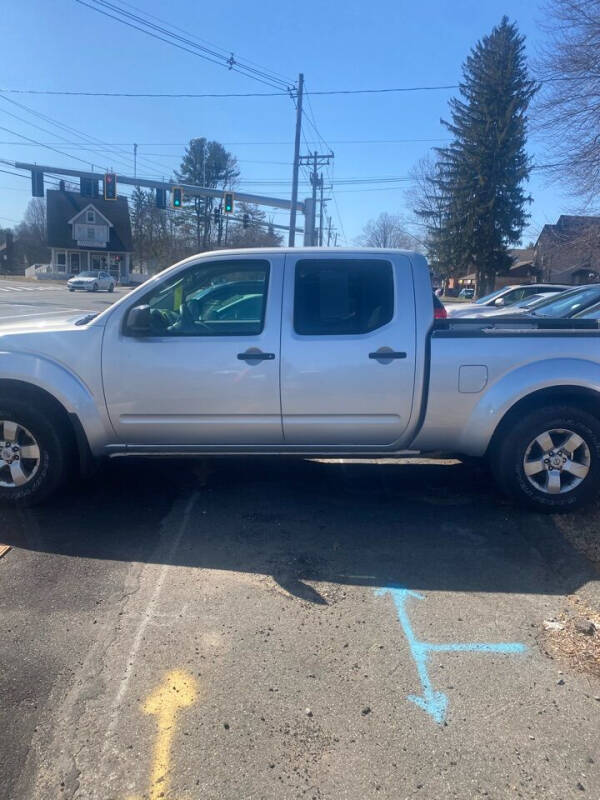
425,526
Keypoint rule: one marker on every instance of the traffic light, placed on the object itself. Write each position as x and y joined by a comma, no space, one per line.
245,220
37,184
176,196
88,187
217,215
161,198
110,186
228,202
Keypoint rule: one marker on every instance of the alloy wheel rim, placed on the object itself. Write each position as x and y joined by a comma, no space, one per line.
557,461
19,455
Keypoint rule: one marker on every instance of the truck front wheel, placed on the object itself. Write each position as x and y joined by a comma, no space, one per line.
550,459
33,452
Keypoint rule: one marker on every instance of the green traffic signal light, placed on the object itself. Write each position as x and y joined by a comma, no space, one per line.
177,197
228,203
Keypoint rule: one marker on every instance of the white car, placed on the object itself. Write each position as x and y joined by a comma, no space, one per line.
92,281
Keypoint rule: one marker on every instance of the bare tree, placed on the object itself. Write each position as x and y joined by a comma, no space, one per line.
567,112
31,241
388,230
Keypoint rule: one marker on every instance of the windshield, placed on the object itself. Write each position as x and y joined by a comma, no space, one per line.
89,274
567,303
486,298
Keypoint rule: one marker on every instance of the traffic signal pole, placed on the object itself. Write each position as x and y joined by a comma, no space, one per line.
296,167
188,188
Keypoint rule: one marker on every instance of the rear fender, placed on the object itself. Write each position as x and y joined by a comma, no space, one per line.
517,385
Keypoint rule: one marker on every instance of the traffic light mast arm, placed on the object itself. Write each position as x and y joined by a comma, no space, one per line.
189,189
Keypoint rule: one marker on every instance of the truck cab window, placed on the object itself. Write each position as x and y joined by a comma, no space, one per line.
342,296
225,298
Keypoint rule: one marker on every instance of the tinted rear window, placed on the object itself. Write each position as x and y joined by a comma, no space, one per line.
338,296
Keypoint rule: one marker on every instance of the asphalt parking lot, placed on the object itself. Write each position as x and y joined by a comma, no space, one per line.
274,628
21,299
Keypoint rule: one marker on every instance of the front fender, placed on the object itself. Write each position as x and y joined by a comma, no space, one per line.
518,384
68,389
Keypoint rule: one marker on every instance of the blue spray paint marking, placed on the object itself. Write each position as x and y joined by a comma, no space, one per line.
432,701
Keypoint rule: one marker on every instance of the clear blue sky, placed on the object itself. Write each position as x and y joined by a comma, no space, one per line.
337,44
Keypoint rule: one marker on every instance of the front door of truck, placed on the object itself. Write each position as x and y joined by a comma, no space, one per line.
208,372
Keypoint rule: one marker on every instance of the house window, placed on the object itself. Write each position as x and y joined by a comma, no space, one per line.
90,233
91,217
61,261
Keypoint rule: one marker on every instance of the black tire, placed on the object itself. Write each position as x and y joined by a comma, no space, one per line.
54,443
71,290
111,288
95,287
509,451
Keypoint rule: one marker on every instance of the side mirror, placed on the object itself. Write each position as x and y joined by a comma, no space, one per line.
139,321
499,301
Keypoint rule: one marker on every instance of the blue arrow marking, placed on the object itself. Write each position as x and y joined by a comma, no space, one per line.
432,701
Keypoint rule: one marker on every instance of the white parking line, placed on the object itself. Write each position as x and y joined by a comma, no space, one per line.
30,288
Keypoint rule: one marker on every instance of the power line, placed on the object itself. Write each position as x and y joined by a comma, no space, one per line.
200,39
60,152
308,142
163,34
222,95
88,140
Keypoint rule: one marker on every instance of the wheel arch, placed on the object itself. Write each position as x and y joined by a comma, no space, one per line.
580,396
70,422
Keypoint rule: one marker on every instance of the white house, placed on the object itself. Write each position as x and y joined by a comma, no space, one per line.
88,233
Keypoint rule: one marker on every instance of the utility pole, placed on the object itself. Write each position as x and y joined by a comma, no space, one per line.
135,160
321,211
296,167
314,160
329,233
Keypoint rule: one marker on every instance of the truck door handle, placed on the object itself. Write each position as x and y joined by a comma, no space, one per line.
381,354
254,355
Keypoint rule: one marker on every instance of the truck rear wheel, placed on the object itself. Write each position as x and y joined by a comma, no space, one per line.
34,450
550,459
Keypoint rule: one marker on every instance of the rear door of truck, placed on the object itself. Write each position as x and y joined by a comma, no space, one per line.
348,349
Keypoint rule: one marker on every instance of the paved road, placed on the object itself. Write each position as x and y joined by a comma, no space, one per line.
286,629
30,300
241,629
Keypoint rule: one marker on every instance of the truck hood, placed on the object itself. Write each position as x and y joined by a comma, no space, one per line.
55,322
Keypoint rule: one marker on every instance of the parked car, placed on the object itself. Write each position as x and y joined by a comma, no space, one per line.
92,281
569,303
593,312
468,293
515,308
502,298
566,305
342,357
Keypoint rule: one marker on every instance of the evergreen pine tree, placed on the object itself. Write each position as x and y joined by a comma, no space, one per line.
206,164
480,175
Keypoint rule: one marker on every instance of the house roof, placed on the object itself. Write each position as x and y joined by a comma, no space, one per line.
82,211
521,257
63,206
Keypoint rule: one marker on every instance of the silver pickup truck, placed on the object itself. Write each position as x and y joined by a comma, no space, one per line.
308,351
